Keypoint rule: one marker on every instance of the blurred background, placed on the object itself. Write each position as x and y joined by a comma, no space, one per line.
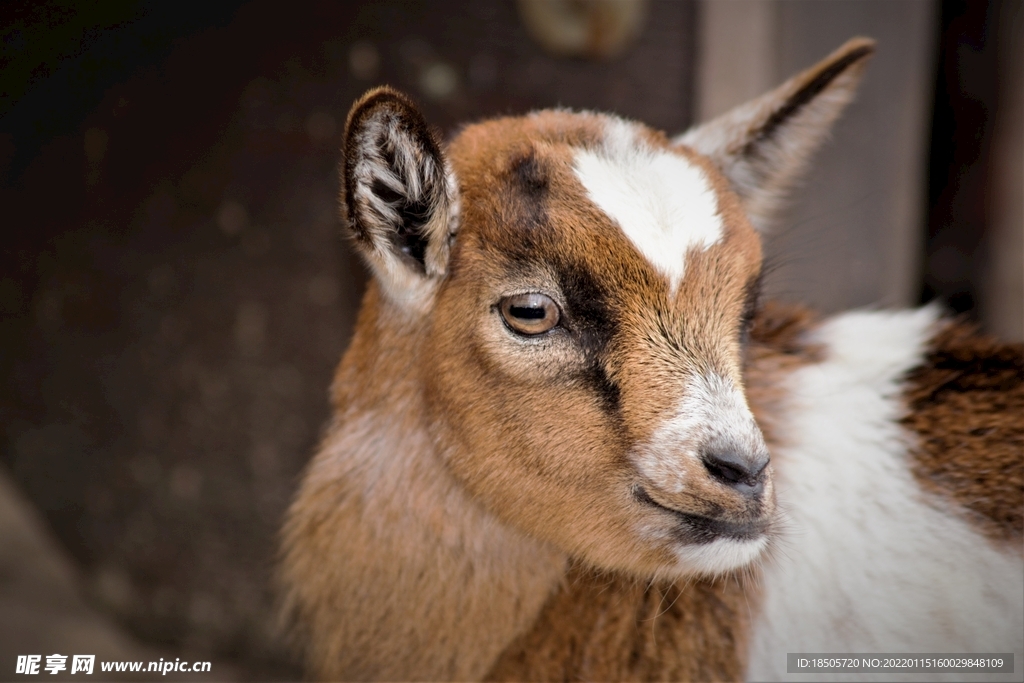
174,292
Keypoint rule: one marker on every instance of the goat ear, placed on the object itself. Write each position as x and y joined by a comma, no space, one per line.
398,192
763,146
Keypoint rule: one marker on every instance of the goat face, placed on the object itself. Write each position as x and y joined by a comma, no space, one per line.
582,285
587,344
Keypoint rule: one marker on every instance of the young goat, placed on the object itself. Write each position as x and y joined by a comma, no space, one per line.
549,457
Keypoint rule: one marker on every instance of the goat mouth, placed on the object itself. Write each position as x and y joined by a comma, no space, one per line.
700,529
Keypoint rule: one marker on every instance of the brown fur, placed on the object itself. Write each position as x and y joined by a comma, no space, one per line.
466,468
600,626
393,572
496,417
610,628
966,405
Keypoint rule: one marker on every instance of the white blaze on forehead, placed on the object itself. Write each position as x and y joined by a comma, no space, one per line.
663,202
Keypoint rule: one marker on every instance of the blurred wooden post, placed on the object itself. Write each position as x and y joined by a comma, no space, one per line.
853,234
736,53
1002,304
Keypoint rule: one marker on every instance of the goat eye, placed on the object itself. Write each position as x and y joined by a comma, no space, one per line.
530,314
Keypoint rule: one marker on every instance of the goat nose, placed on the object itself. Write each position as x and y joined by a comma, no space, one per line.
745,475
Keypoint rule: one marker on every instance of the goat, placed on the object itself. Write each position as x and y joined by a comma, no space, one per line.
567,441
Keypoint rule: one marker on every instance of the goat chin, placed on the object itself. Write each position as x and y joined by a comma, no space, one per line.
569,442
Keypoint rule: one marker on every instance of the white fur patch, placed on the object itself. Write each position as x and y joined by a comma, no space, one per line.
720,556
713,410
869,562
663,203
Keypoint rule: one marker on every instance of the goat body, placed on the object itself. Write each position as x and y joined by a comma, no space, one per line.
549,457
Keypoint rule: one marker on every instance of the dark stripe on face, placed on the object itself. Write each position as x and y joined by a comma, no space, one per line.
592,323
528,195
606,389
589,313
587,317
528,173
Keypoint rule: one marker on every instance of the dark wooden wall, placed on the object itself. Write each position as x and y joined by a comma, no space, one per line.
175,292
977,83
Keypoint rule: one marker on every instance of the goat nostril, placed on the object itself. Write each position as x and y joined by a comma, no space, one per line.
724,472
737,473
